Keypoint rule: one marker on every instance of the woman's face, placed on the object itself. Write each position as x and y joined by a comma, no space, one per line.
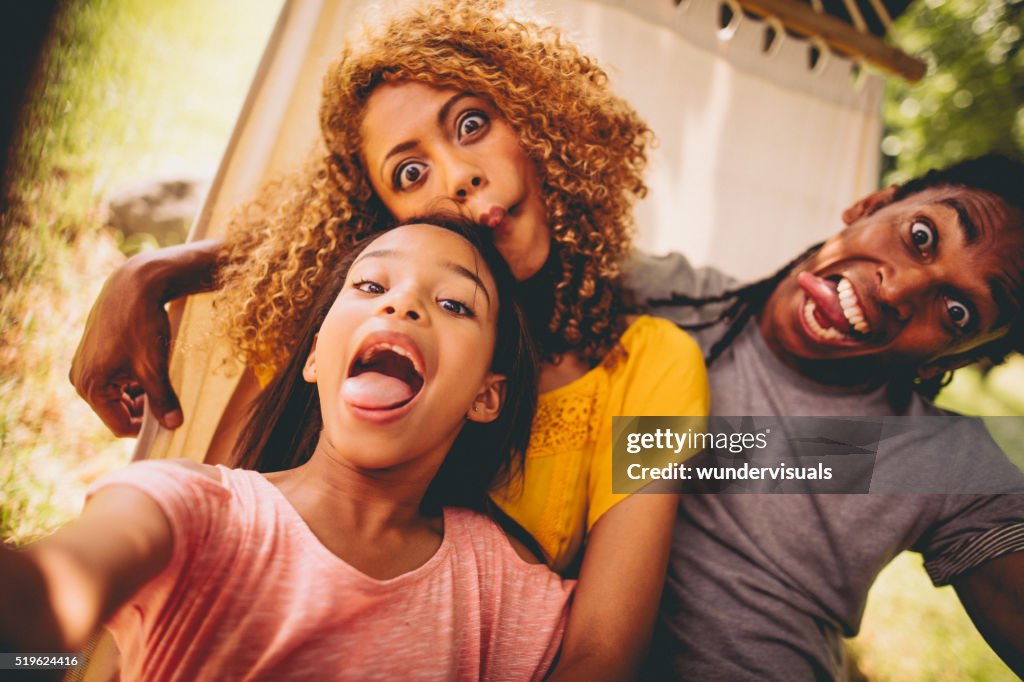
429,149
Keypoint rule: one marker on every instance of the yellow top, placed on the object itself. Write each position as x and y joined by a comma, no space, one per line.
566,485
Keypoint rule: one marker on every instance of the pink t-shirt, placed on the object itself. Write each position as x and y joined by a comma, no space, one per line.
251,593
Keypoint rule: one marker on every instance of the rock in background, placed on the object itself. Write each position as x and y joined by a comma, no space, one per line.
156,213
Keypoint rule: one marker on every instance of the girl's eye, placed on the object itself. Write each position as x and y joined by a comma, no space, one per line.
369,287
923,235
408,174
472,123
958,313
456,307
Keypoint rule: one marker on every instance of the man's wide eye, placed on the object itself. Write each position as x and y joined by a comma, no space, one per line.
923,235
958,313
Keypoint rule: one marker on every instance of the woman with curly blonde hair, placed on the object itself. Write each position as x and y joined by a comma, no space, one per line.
454,107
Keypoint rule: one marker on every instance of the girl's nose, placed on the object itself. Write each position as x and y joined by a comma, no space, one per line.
407,311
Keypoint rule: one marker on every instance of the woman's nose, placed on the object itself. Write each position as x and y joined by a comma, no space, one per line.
465,176
465,187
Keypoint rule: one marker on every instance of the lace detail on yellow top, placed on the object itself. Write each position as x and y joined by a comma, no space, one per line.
566,485
568,417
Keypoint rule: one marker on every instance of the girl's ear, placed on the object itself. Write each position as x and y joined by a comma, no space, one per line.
869,204
487,405
309,369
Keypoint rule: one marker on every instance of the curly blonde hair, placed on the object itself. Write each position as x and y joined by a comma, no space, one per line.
588,145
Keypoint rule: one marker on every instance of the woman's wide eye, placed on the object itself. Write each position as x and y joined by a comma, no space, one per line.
369,287
456,307
408,174
923,235
471,123
958,313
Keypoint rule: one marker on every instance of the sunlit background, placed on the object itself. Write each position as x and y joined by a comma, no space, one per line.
135,96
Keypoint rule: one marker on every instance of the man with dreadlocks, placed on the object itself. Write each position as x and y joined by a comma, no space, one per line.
926,278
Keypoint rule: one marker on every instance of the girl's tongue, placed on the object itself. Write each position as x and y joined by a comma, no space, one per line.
827,310
375,391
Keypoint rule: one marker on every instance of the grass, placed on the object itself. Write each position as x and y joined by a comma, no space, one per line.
135,89
130,90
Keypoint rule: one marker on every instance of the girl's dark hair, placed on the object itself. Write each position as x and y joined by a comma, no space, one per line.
284,424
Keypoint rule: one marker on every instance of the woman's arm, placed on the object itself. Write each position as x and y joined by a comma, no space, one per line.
618,591
620,582
123,352
59,590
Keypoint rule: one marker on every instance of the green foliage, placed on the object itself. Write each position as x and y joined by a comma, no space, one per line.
128,90
972,99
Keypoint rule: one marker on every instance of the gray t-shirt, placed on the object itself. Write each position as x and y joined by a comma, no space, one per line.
763,587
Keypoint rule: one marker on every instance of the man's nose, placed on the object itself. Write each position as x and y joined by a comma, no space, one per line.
901,288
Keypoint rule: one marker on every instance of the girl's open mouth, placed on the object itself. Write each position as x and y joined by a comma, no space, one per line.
386,374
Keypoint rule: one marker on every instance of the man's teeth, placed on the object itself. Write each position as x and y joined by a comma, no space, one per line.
830,333
851,306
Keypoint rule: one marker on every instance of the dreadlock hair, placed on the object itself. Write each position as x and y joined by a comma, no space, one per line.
744,303
284,423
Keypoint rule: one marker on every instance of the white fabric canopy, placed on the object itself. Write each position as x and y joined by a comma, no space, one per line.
758,154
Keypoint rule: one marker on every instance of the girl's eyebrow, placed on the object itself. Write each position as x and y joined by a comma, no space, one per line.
447,265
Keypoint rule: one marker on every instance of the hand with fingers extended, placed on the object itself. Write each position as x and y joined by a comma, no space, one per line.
121,364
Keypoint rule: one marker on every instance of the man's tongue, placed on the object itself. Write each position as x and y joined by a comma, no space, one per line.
375,391
827,310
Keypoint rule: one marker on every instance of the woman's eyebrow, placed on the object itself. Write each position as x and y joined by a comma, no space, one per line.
398,149
442,114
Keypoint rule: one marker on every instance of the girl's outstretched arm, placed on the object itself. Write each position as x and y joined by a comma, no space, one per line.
58,591
124,349
619,587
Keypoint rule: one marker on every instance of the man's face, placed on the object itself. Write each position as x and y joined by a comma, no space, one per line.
921,279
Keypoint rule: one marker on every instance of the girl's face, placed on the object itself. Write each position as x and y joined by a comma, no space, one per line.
428,149
403,357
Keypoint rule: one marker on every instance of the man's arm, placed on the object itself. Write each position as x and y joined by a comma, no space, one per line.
123,353
993,595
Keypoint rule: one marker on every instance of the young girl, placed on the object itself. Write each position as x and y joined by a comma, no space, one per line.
456,105
352,564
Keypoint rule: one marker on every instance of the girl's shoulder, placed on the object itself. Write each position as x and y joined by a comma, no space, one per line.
484,533
208,470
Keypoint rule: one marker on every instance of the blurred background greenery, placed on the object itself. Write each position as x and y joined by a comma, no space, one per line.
131,90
